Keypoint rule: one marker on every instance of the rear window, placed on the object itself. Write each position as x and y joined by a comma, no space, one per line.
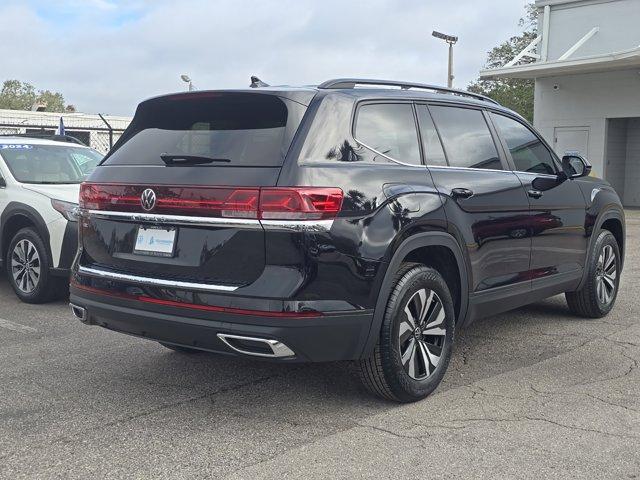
466,137
234,129
389,128
49,164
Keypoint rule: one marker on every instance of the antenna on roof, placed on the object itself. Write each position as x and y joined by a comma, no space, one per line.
256,82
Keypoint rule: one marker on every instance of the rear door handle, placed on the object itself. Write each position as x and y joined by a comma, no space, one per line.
534,193
461,193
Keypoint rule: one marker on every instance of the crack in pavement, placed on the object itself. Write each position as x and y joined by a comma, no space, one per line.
65,439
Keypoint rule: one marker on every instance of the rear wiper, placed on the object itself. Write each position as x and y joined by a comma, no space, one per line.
181,159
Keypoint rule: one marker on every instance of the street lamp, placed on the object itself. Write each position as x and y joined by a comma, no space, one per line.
187,79
451,40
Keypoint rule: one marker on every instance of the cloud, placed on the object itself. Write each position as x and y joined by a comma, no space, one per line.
107,55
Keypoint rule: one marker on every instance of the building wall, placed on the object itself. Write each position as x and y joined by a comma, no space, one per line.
587,100
571,20
90,126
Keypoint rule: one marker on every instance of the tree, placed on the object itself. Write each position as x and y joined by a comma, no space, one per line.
53,100
17,95
513,93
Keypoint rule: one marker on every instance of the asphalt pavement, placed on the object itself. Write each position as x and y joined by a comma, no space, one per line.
533,393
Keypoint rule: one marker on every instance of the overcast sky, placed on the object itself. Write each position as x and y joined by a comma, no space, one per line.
107,55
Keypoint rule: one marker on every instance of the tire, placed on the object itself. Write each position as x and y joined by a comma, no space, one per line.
179,349
35,284
386,374
598,294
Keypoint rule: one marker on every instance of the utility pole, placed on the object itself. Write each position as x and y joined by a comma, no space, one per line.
451,40
187,79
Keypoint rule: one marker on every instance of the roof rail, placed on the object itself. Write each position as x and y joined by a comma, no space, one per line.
352,82
46,136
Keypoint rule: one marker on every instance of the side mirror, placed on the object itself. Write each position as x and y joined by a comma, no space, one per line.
575,166
3,183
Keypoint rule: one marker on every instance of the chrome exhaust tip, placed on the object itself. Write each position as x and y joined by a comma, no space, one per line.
258,347
79,312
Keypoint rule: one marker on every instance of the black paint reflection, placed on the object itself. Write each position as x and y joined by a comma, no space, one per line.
514,226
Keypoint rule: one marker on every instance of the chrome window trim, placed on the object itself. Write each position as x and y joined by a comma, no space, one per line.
268,224
387,156
470,168
354,119
156,282
533,174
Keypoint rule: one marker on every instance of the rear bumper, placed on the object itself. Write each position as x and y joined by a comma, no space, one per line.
331,337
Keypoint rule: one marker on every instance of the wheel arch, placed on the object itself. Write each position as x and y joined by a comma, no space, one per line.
414,248
615,226
17,216
612,220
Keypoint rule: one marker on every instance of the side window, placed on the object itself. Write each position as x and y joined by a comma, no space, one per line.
389,128
466,137
433,151
528,152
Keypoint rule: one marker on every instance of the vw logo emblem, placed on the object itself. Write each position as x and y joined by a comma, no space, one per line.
148,199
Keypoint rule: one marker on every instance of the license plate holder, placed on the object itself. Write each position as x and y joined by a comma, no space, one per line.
155,241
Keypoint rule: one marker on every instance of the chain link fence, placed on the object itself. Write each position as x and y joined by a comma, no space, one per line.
95,131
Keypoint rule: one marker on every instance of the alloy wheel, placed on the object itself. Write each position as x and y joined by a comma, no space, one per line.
606,274
25,266
421,335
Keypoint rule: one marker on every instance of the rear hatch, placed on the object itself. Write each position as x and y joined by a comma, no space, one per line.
177,196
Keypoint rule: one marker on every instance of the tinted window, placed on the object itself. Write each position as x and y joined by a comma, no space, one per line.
528,152
30,163
466,138
389,129
244,129
434,154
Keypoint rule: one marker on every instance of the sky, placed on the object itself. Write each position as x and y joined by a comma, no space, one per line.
108,55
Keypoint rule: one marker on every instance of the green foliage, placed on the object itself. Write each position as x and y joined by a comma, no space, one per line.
513,93
17,95
54,100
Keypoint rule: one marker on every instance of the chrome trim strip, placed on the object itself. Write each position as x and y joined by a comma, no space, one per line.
155,282
175,219
278,348
452,167
388,157
283,225
317,226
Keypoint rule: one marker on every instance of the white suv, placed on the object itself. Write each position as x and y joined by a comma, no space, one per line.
39,186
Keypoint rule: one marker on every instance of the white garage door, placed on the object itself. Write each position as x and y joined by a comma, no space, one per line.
571,139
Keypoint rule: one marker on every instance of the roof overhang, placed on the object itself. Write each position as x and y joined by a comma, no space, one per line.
597,63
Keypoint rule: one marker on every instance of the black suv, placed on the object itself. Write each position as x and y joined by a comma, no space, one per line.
338,223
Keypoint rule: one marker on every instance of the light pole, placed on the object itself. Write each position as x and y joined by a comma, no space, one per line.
187,79
451,40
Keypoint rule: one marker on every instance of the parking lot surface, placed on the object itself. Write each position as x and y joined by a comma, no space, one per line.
533,393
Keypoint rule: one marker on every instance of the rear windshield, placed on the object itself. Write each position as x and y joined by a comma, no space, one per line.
49,164
233,129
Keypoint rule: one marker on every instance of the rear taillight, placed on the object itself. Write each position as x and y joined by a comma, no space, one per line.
186,201
299,203
273,203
